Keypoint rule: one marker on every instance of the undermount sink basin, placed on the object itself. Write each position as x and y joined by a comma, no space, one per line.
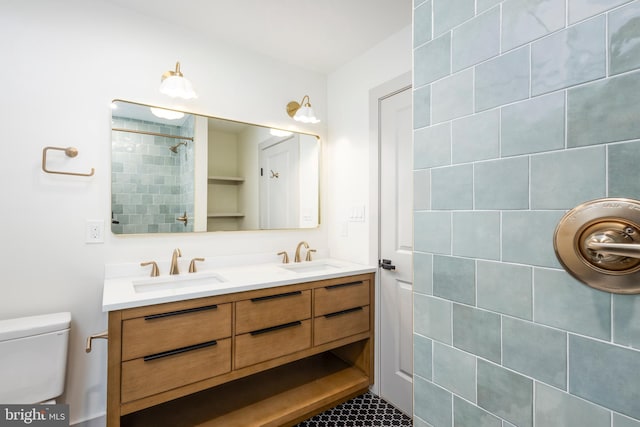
311,267
188,280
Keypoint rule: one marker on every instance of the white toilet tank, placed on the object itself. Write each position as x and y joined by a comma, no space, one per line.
33,358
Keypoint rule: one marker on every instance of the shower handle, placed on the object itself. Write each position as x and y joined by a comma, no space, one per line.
631,250
598,243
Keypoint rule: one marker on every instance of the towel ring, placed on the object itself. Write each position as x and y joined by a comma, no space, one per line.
70,152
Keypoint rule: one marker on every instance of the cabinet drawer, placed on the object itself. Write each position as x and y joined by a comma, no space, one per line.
331,299
334,326
160,332
272,310
164,371
266,344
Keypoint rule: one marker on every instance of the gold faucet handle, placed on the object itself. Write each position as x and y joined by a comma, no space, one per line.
285,257
309,251
155,271
192,265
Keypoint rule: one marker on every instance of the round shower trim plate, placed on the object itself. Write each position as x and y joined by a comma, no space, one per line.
611,220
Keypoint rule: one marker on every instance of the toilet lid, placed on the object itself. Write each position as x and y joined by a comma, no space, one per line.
33,325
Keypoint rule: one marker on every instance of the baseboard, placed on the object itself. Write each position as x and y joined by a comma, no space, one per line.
100,421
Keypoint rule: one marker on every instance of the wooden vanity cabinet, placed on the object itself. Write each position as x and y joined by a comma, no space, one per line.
269,357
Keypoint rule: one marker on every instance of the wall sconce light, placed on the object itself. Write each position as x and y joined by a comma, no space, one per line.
175,85
302,111
166,114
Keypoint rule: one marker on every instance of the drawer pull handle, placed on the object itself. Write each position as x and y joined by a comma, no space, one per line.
179,350
338,313
287,294
178,312
341,285
275,328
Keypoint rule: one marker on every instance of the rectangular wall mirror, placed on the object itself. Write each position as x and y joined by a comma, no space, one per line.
176,172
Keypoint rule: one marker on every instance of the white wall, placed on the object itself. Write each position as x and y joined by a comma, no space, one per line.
349,148
63,62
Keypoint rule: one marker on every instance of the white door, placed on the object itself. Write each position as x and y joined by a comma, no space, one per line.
396,246
279,184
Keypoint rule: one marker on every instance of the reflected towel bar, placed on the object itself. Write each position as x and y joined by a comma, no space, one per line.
144,132
70,152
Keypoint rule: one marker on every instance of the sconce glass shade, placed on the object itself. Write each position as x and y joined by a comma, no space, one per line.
175,85
306,115
302,112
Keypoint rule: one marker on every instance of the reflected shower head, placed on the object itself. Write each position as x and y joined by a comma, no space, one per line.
174,148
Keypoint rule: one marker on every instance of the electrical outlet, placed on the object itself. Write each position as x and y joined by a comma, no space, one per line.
95,231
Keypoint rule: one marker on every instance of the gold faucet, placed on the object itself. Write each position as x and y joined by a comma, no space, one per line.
155,271
174,262
192,265
285,257
297,257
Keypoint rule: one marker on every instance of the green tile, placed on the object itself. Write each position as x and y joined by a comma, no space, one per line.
476,234
423,273
604,111
422,356
569,57
432,232
526,20
605,374
581,9
476,40
432,61
505,394
502,184
455,370
452,97
432,318
422,190
502,80
534,125
432,146
476,137
623,160
417,422
626,320
555,408
527,237
505,288
483,5
432,403
535,350
563,302
422,23
477,331
454,279
624,39
452,187
449,13
467,415
553,173
422,107
622,421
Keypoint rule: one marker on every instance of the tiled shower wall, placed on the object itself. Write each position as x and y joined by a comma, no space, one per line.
523,109
150,185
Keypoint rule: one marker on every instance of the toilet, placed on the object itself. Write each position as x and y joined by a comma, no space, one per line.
33,358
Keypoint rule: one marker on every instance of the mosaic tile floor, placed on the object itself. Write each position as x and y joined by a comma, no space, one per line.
367,410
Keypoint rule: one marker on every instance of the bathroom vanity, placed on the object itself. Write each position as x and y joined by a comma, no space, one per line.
240,352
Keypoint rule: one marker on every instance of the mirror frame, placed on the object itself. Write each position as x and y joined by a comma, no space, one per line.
320,171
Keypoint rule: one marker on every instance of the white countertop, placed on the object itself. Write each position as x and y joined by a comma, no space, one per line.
125,289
